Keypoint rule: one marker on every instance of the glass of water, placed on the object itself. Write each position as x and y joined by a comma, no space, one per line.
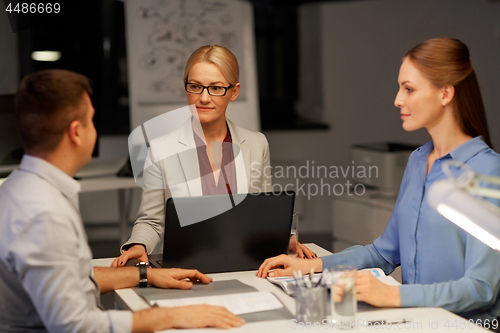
294,234
343,293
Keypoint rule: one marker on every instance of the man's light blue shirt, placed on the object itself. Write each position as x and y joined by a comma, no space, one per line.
46,281
441,264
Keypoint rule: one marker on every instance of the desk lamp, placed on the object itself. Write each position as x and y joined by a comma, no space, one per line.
458,200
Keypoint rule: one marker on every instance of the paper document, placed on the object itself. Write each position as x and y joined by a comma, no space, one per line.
236,303
287,283
382,277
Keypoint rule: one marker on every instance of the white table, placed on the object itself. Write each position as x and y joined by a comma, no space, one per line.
431,320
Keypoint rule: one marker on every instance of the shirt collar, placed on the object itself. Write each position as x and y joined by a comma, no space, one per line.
468,149
462,153
67,185
426,149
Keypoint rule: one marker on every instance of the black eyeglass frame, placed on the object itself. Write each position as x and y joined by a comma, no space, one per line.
206,87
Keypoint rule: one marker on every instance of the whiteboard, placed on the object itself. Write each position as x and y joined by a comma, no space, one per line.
161,34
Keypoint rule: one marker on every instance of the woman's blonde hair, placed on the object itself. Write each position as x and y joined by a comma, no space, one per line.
445,61
220,57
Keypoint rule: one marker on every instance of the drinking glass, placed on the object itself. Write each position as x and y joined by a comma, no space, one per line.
343,294
294,234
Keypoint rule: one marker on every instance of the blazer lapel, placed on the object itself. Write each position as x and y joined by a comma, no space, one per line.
189,159
241,158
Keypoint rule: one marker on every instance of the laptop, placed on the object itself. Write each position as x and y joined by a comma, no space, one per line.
241,231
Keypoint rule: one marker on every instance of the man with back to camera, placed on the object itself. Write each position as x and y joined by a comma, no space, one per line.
47,282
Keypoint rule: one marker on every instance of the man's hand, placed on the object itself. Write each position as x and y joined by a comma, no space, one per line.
371,290
109,278
288,265
172,277
136,251
193,316
197,316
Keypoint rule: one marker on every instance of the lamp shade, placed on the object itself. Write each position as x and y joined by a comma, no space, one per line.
478,217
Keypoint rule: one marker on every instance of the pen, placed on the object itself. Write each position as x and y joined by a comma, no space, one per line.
307,282
322,279
296,277
388,321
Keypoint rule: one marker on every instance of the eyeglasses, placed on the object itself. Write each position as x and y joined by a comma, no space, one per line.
195,88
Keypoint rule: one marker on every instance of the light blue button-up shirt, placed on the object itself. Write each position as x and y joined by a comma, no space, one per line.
441,264
46,279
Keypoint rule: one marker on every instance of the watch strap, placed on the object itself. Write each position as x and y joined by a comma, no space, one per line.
143,275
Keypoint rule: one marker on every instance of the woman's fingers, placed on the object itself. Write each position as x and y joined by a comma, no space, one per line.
136,251
121,260
298,251
306,252
271,263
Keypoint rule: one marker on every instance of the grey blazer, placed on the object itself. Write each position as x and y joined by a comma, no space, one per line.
172,170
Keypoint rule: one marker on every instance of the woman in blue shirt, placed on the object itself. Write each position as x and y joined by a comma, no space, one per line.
442,265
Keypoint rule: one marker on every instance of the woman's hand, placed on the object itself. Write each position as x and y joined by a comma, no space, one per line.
173,277
136,251
338,293
301,250
288,265
304,252
371,290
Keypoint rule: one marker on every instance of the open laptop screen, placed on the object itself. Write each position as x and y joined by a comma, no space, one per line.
238,239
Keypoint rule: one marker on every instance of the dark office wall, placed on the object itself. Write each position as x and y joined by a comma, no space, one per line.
362,44
8,55
310,103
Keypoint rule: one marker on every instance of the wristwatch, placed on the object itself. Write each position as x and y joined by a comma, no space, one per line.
143,274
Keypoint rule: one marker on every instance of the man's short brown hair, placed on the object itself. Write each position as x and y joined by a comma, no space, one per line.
46,104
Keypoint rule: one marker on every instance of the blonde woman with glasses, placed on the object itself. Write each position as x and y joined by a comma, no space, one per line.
211,81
